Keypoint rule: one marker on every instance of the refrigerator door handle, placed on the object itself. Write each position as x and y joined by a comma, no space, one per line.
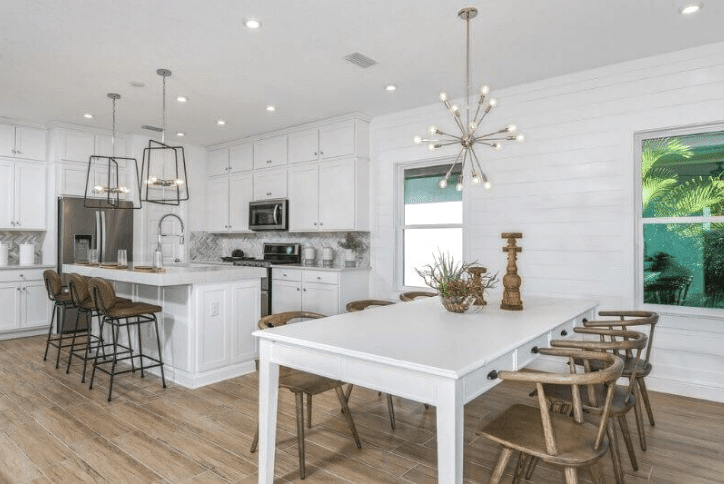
97,235
103,255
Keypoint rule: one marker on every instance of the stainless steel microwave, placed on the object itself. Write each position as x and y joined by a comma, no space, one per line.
269,214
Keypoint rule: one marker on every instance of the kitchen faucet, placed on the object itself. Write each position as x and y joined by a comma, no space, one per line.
160,234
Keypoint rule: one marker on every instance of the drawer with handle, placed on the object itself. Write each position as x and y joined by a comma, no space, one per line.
286,274
324,277
529,351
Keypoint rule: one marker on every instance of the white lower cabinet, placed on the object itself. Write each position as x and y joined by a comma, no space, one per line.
227,315
321,291
25,303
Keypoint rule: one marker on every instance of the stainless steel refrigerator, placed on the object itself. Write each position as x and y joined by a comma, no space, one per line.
105,229
81,229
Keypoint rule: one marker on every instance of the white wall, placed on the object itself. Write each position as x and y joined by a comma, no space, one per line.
570,189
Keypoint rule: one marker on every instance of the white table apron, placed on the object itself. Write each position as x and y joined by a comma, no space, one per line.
448,387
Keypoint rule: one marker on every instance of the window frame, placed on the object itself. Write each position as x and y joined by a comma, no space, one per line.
640,221
399,217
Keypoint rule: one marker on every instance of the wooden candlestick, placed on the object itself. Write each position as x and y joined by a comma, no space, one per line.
477,284
511,280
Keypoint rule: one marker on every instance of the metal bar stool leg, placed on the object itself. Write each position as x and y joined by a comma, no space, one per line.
98,348
60,343
130,345
114,333
56,309
158,343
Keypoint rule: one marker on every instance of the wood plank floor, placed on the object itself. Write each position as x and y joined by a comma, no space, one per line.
53,429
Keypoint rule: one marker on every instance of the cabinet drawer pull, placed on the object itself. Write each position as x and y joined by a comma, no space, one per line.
585,320
305,289
493,375
564,333
318,277
268,193
297,289
534,350
268,161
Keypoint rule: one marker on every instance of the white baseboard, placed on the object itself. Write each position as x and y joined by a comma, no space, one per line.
23,333
198,380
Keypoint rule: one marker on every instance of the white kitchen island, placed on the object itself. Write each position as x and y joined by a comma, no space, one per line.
209,314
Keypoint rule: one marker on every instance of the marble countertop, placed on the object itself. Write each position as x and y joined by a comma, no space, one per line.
173,276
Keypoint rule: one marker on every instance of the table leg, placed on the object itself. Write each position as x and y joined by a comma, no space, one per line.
450,418
268,395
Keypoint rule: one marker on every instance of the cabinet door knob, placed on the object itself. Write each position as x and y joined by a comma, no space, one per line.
320,224
315,223
17,223
18,288
305,289
14,151
321,152
318,277
18,152
315,153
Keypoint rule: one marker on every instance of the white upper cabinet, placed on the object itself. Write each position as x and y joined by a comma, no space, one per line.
329,196
79,145
217,162
241,158
217,204
337,140
240,194
22,202
22,142
270,152
270,184
304,198
304,146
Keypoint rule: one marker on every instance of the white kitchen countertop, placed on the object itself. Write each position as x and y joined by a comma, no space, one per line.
317,268
174,276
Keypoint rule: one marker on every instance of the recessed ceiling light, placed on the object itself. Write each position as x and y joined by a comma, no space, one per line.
180,134
252,23
137,84
271,108
88,116
182,99
690,8
220,122
390,87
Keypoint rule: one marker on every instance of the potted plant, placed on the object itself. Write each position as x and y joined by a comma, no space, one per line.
351,244
451,280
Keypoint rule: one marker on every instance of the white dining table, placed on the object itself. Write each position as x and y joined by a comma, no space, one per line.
416,350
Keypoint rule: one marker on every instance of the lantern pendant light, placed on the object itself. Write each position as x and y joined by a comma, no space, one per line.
164,167
103,185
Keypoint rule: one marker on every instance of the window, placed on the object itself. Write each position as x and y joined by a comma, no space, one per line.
431,220
682,217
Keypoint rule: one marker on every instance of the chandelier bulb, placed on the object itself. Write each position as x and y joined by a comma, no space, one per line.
511,128
443,183
98,188
487,185
497,146
476,179
432,130
455,109
473,125
520,138
443,96
179,182
417,140
459,186
484,90
492,103
432,147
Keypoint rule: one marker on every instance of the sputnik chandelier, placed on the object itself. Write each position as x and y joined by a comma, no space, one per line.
469,136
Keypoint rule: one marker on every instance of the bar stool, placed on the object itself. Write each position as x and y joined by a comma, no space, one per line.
84,302
118,315
412,295
61,301
361,305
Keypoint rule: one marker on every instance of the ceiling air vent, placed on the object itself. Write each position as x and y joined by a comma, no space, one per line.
360,60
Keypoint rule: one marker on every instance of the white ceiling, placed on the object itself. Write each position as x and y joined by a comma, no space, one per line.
59,58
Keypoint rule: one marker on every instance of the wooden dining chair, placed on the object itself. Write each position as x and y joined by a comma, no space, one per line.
627,320
623,344
302,383
361,305
412,295
536,432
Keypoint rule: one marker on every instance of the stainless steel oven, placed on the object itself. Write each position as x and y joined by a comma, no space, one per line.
269,214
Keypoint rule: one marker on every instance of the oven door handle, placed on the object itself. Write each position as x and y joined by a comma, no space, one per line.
276,211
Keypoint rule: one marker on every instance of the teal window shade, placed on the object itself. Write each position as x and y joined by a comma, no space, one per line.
422,186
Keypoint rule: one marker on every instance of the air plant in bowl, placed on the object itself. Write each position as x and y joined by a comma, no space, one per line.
451,280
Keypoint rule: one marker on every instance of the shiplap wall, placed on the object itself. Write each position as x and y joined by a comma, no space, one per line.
570,189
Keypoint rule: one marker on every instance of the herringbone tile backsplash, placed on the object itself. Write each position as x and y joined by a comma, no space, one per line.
13,239
205,246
